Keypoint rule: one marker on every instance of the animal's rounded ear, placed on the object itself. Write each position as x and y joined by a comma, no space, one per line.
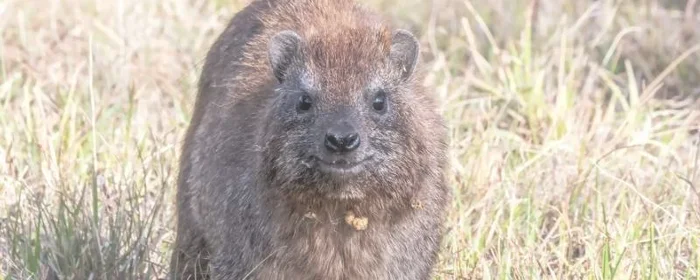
404,53
283,49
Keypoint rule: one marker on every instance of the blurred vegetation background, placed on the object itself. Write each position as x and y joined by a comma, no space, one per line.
573,125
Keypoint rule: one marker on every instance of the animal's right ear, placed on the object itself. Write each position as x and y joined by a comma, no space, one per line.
283,49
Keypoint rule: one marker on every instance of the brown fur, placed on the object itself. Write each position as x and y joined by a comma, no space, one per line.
246,204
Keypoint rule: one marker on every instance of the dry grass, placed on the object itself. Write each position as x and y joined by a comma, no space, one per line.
574,133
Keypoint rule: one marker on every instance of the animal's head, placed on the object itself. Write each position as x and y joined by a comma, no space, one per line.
351,119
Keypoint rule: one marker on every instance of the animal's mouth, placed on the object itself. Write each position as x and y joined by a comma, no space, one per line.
342,166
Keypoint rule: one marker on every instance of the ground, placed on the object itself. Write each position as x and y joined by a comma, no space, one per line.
573,126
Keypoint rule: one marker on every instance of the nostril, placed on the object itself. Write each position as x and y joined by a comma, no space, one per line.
333,143
347,143
352,141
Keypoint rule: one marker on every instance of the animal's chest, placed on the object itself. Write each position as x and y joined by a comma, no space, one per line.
329,250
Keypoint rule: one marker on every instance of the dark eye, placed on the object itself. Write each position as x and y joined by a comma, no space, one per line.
379,102
304,103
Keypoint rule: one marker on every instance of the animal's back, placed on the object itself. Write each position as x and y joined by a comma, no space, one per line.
206,161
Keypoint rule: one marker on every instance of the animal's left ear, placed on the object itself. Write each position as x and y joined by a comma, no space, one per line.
404,53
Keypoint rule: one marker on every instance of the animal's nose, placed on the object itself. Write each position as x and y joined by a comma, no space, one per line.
341,139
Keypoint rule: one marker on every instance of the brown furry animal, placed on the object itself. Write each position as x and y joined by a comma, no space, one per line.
313,151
